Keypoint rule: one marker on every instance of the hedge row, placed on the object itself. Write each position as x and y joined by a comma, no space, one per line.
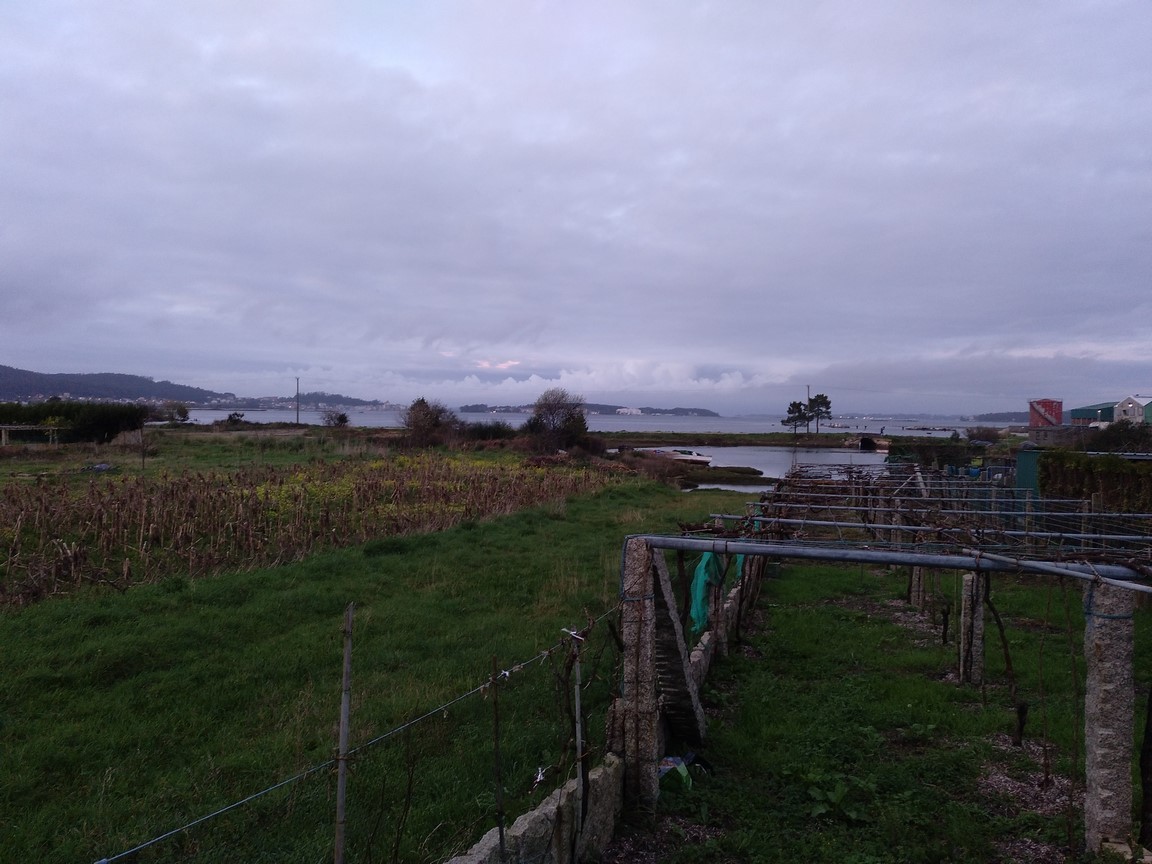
1123,486
77,421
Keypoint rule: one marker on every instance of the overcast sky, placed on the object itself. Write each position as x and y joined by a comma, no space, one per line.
918,205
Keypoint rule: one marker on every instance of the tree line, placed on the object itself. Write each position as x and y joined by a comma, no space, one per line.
76,421
557,422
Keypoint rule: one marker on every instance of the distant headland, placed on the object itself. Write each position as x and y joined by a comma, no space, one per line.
21,385
591,408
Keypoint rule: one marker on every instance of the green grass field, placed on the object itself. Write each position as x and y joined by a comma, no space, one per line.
129,714
835,734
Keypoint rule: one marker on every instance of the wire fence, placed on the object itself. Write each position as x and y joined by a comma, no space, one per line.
425,788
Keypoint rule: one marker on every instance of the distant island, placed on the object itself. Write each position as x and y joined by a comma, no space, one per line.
20,385
590,408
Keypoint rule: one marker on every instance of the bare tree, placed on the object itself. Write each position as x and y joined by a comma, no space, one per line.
557,420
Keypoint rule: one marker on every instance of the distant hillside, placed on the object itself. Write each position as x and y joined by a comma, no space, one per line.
319,397
20,385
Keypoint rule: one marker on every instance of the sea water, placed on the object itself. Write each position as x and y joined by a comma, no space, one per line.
772,462
739,425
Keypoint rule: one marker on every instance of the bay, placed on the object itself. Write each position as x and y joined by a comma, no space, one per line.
744,424
772,462
775,462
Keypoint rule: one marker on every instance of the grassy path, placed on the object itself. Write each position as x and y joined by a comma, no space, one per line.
836,735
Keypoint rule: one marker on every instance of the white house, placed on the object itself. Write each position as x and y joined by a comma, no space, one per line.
1135,409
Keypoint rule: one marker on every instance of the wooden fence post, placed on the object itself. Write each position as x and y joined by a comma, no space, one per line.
918,590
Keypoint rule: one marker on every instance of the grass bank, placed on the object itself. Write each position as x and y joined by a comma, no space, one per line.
836,735
126,715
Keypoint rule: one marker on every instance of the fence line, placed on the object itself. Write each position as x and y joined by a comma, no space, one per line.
493,680
1112,572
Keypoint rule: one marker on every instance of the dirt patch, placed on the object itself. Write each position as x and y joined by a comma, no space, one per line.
1024,851
1034,791
900,614
670,834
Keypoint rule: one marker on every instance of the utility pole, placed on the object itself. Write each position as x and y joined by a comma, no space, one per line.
297,400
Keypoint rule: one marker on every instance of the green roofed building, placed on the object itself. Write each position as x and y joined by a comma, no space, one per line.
1102,412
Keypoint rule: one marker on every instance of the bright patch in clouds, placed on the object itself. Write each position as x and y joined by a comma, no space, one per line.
502,364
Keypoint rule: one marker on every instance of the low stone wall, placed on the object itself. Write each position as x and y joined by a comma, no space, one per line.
552,834
715,640
637,723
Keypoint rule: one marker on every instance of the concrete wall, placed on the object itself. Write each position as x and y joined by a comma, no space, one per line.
552,834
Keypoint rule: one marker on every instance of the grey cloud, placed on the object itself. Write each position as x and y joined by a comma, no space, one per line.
739,195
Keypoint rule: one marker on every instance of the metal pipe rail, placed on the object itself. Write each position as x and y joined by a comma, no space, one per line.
969,559
918,505
849,491
1100,521
968,532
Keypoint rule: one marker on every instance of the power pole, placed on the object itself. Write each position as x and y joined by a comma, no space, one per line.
297,400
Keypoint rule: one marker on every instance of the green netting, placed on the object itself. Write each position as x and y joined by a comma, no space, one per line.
709,573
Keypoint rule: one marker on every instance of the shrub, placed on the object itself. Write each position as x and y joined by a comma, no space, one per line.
487,430
428,423
1123,436
983,433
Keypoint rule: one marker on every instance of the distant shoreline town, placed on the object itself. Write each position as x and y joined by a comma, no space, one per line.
20,385
592,408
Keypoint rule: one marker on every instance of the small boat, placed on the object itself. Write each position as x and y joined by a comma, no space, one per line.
677,454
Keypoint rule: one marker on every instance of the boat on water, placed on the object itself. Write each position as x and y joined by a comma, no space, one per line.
678,454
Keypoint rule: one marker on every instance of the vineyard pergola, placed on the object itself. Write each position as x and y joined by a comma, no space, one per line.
909,516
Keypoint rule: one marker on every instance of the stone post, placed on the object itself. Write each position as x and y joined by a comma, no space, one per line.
638,709
1108,714
972,629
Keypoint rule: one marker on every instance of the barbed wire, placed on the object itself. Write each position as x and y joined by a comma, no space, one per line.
492,680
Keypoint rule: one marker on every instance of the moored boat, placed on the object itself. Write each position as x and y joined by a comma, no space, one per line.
680,455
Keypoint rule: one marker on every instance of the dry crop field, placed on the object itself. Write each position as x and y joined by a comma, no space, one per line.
62,529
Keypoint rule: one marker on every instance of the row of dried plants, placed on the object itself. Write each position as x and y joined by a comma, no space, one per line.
121,531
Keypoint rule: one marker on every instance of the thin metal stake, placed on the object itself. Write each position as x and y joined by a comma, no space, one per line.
342,752
496,756
581,767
